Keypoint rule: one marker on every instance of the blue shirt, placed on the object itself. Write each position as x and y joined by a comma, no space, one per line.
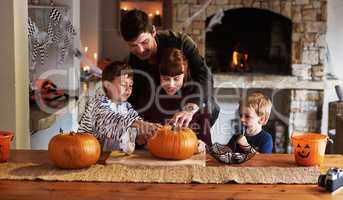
261,142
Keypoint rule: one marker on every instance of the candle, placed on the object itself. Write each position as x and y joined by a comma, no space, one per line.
86,68
125,8
86,49
150,14
157,12
95,55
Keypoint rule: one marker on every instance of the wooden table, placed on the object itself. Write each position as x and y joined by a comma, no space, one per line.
88,190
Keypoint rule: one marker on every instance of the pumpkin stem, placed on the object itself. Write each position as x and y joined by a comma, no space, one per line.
61,130
173,128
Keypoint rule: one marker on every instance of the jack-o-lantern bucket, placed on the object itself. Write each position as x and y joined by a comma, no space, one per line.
309,148
5,145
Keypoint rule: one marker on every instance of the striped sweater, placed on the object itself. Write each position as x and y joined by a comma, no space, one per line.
110,123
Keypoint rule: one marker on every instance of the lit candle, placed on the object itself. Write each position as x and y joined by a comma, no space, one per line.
150,14
86,68
157,12
95,55
86,49
125,8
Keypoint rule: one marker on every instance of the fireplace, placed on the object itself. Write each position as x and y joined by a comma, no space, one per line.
250,40
273,46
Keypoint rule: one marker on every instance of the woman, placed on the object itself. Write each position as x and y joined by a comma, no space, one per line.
178,97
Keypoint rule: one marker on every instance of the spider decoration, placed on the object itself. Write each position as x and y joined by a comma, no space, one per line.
225,154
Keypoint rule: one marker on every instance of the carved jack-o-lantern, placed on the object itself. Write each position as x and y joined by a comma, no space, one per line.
303,152
309,149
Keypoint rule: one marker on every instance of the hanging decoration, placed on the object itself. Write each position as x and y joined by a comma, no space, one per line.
60,34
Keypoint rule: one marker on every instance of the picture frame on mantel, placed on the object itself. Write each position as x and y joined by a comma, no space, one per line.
159,10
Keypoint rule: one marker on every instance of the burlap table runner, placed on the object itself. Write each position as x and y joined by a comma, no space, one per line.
161,174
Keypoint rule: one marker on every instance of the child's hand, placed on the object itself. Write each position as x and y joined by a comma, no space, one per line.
147,129
140,140
201,146
242,141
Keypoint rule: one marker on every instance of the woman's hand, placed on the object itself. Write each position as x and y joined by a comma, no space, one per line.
183,118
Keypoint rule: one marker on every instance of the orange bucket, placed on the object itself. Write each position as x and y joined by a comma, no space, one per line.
5,144
309,148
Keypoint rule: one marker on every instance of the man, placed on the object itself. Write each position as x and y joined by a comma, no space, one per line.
145,45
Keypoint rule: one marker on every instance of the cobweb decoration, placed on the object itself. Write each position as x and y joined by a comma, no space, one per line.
189,21
215,20
59,34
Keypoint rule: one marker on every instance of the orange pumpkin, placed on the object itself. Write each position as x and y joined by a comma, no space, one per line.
74,150
170,143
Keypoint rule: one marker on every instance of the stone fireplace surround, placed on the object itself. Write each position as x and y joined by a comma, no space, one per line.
306,85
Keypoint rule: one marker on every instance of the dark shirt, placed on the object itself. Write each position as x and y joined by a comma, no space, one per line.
146,79
168,105
262,142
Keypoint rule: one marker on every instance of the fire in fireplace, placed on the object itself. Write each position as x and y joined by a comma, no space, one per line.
250,40
239,60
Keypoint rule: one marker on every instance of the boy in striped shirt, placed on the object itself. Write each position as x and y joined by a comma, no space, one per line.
110,118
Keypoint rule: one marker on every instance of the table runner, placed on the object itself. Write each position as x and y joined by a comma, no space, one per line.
161,174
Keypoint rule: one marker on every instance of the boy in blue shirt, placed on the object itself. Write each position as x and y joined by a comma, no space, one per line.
254,113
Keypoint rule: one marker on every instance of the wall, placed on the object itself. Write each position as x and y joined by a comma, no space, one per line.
334,40
113,45
148,7
14,74
334,37
90,24
7,77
